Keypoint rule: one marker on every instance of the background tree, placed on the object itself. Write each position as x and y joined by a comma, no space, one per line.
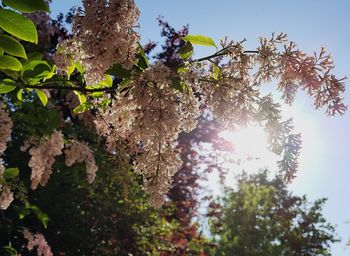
262,217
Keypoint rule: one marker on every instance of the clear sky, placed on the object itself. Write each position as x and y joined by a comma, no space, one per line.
324,162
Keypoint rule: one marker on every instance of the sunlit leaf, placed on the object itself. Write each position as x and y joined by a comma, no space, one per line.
27,5
36,70
199,40
12,46
20,94
7,85
42,96
9,62
216,72
18,25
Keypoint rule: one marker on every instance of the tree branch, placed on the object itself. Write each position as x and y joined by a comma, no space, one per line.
219,54
79,89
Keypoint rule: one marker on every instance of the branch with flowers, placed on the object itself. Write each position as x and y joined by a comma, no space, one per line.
147,105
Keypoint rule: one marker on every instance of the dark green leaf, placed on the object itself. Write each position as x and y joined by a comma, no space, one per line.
9,62
200,40
178,84
142,62
36,69
10,250
18,25
27,5
118,71
11,173
1,51
186,51
35,56
12,46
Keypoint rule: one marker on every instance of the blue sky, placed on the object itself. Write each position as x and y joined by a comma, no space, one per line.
324,164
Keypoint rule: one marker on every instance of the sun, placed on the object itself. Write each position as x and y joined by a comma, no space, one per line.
251,146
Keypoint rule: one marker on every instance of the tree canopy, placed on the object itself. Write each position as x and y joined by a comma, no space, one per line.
90,115
261,217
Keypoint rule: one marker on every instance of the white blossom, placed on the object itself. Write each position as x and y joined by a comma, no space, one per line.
77,152
5,129
37,240
103,36
6,197
43,153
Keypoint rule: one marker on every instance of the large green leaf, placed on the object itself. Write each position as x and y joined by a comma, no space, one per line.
7,85
42,96
35,70
18,25
200,40
12,46
9,62
27,5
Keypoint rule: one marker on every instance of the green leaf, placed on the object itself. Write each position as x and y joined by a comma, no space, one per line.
7,85
216,71
9,62
35,70
79,67
81,97
186,51
118,71
27,5
182,69
42,96
1,51
12,46
33,209
82,108
20,95
142,62
178,84
70,69
11,173
108,82
18,25
35,56
199,40
10,250
124,84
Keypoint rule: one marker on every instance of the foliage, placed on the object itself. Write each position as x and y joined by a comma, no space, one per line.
261,217
95,102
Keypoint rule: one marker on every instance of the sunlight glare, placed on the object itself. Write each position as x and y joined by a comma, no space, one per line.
251,146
